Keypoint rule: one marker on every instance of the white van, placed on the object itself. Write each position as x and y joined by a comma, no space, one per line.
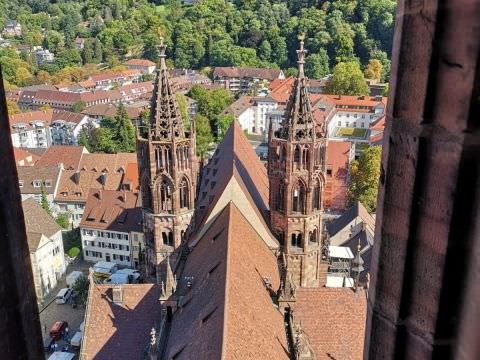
63,295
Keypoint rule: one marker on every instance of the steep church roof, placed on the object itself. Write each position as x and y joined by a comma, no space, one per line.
234,173
228,312
165,119
299,123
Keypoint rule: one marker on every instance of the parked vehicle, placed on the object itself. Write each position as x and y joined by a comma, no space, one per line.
76,339
118,279
61,355
58,330
73,277
63,295
135,274
104,269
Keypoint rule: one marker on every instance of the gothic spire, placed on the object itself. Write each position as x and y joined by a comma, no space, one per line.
299,123
165,119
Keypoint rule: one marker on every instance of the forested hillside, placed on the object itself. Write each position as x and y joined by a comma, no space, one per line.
209,33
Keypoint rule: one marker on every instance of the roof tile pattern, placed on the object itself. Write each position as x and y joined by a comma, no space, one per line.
120,331
69,156
333,320
37,222
228,312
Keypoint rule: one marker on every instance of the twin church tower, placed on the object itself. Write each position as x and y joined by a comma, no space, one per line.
169,171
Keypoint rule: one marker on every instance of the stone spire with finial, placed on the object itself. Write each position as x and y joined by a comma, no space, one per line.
299,124
165,118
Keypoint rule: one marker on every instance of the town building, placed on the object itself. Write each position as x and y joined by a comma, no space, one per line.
61,100
24,157
95,171
355,229
46,128
109,80
111,221
37,180
12,28
182,80
46,248
66,157
142,65
102,111
44,56
243,79
168,170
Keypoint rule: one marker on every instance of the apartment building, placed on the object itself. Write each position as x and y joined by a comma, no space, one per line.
111,228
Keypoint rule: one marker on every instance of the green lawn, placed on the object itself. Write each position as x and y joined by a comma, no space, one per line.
351,132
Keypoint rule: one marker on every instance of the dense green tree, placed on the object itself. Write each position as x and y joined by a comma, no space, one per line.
78,107
88,53
97,51
54,41
347,79
316,65
123,131
62,220
364,177
68,57
223,123
12,107
204,135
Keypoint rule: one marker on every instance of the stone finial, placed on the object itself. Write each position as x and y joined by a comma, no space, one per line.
303,349
162,48
301,56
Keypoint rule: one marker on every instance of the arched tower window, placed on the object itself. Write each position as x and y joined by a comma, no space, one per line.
184,194
296,239
167,238
316,195
305,158
313,235
185,157
298,198
146,191
165,197
296,157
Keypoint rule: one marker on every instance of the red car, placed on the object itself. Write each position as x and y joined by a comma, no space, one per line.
58,330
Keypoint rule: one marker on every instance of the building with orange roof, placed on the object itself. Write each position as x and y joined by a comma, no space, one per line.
23,157
243,78
143,65
45,128
111,221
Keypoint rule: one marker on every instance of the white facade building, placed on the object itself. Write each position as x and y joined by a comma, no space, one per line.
46,248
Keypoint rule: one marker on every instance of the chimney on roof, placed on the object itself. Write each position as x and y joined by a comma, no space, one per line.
103,178
99,194
60,166
76,177
117,295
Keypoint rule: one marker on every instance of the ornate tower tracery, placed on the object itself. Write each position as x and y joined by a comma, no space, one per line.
296,170
168,170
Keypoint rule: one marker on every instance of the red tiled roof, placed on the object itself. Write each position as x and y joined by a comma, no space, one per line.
349,100
140,62
115,75
69,156
233,157
239,106
132,175
112,210
120,330
334,321
245,72
228,312
24,157
280,89
336,187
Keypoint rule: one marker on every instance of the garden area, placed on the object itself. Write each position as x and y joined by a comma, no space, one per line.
72,242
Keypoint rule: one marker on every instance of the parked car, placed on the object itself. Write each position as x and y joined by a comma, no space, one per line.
76,339
63,295
58,330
